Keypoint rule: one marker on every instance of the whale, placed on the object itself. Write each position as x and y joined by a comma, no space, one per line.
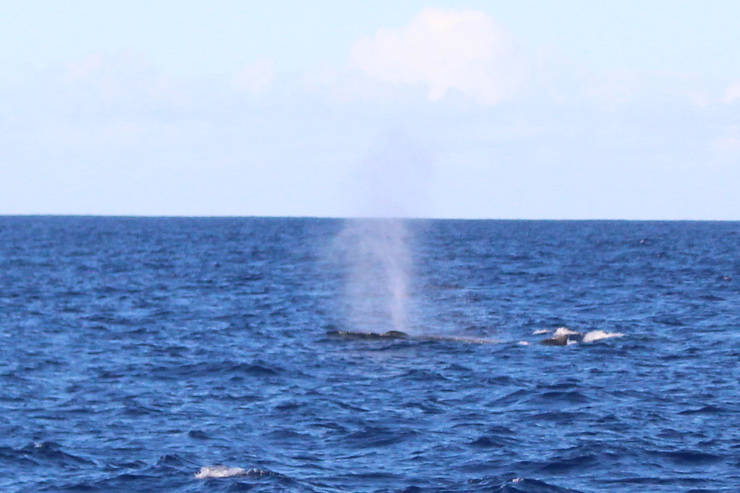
351,334
397,334
562,336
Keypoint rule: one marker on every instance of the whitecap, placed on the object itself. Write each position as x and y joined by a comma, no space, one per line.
539,332
219,472
596,335
564,331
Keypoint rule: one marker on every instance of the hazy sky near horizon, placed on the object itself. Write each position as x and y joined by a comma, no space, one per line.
577,109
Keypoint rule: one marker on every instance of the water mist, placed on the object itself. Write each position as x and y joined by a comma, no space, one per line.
377,251
377,264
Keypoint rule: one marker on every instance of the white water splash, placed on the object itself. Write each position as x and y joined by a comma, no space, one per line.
597,335
564,331
208,472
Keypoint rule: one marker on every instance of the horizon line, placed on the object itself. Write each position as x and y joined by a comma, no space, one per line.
350,218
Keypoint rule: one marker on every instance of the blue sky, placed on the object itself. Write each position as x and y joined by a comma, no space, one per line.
478,109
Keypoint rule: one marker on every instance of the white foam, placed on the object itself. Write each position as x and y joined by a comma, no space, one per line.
564,331
539,332
523,343
471,340
596,335
219,472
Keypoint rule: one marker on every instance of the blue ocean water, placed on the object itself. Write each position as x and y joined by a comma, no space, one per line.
186,354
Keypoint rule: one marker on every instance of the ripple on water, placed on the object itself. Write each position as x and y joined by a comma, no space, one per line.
140,353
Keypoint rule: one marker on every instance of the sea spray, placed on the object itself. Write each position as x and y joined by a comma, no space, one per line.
376,253
377,268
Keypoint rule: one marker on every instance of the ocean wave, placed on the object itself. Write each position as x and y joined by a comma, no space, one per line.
597,335
220,471
516,485
186,369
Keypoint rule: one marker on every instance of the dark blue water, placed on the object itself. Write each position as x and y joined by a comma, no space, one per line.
138,354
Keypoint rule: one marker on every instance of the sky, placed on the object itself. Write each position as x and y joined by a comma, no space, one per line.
577,109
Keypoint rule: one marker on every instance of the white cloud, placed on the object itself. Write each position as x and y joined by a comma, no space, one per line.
124,80
614,89
255,79
732,93
727,147
446,49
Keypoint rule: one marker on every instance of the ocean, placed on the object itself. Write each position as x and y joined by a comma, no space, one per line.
237,354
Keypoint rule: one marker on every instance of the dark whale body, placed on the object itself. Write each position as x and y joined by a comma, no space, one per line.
561,337
348,334
562,340
397,334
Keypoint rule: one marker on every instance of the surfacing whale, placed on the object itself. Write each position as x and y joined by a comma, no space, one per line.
563,336
350,334
397,334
